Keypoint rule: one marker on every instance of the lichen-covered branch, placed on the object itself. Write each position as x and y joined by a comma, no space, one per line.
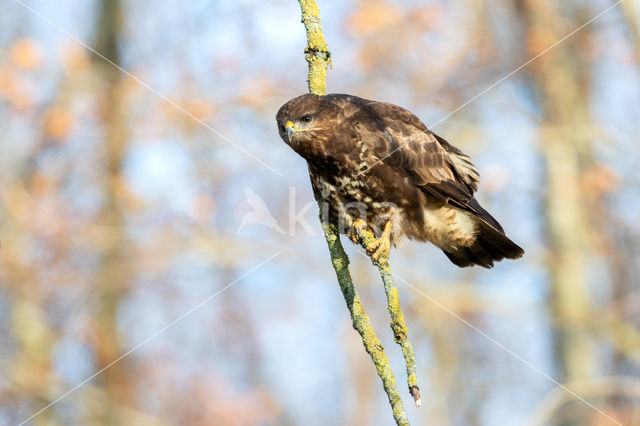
318,56
317,53
400,332
360,319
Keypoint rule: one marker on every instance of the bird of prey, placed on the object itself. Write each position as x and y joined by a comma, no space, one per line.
377,166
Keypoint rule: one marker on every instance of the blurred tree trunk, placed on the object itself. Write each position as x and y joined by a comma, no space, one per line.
31,338
112,278
631,15
30,371
565,146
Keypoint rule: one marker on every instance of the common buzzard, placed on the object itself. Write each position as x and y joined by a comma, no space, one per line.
376,165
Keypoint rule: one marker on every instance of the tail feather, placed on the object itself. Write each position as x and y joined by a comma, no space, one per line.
490,245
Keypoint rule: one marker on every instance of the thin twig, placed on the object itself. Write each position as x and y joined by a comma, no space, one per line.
400,332
360,319
317,52
318,56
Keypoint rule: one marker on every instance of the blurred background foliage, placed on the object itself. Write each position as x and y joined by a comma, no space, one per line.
122,209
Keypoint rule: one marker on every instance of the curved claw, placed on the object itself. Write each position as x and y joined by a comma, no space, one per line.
381,246
354,231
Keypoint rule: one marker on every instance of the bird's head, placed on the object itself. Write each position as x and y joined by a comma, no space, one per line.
301,122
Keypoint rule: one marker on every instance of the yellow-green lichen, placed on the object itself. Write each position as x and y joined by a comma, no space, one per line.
412,380
319,58
400,331
317,52
360,320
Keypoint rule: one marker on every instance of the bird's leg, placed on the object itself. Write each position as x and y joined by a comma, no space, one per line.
381,245
354,231
378,246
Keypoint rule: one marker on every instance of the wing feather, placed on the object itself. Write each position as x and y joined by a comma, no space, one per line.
438,168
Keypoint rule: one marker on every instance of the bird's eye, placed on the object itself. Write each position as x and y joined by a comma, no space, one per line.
282,128
306,118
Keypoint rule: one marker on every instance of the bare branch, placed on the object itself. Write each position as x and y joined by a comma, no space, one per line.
318,56
400,331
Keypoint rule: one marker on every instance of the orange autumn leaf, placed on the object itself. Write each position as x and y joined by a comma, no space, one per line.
539,40
58,122
41,184
74,58
599,180
6,82
200,108
372,17
26,53
428,16
13,89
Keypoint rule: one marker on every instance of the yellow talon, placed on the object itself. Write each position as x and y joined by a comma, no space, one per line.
381,245
354,232
377,248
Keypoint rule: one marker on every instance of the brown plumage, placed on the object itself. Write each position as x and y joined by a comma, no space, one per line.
377,162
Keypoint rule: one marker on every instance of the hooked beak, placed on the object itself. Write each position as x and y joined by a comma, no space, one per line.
290,130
